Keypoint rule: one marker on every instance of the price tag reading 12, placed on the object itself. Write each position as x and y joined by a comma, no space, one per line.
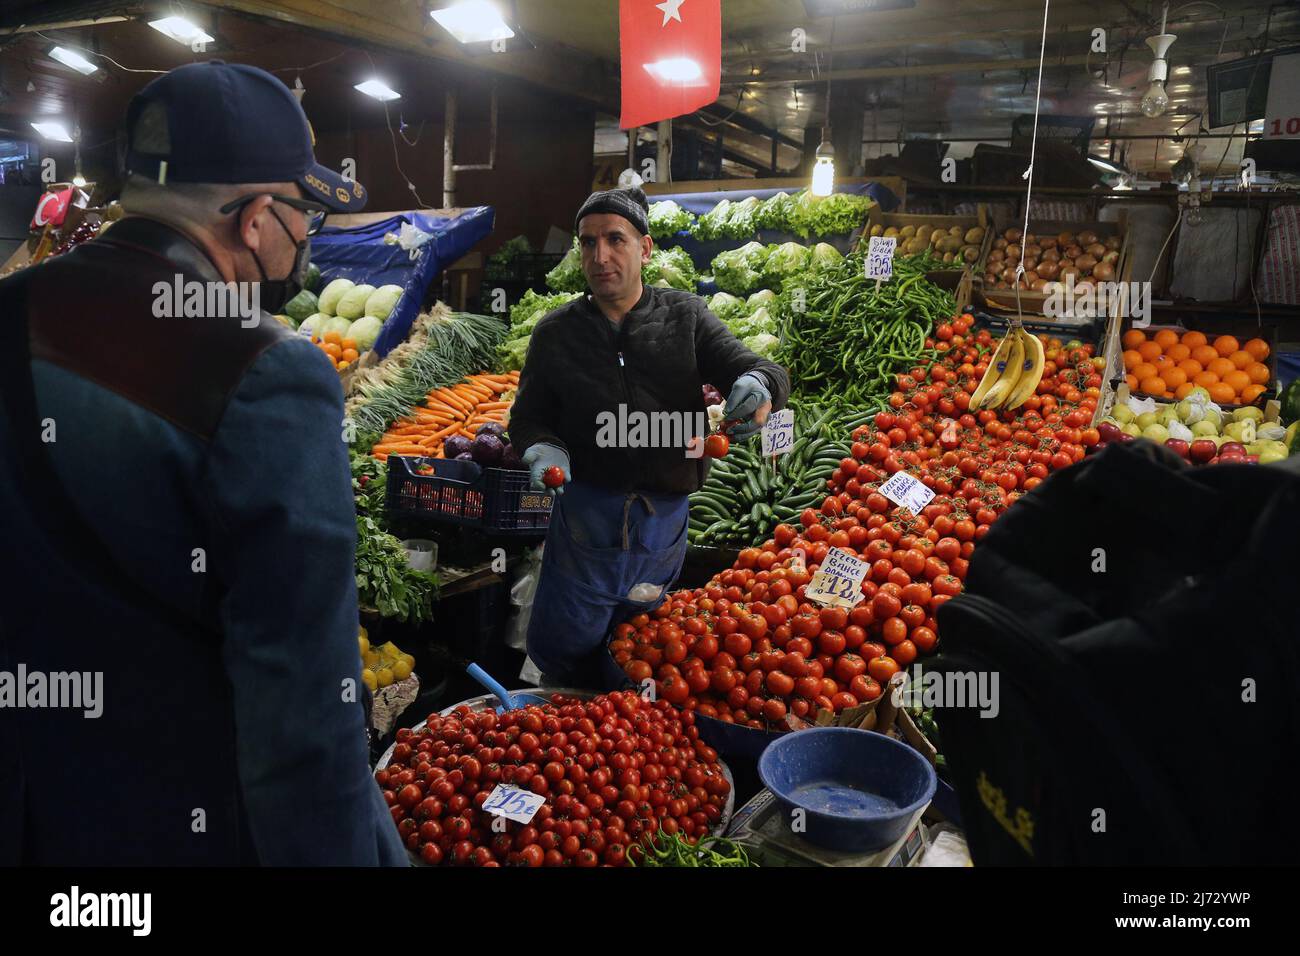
838,581
513,803
906,492
880,257
778,433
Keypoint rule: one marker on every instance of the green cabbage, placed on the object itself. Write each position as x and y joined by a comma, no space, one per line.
824,256
330,295
381,302
353,303
761,297
774,213
760,321
311,324
712,225
725,305
785,260
528,311
667,219
334,324
740,219
828,215
364,331
740,271
512,354
567,276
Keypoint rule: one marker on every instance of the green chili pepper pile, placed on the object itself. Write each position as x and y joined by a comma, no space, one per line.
844,340
675,850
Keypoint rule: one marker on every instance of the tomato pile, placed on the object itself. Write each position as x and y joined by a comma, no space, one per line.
749,649
614,771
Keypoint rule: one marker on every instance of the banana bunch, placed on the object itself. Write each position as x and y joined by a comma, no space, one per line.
1013,373
384,664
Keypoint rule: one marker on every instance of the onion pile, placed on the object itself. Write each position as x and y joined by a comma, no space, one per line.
1050,259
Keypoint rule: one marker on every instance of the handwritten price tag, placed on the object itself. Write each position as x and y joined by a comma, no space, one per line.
880,257
778,433
513,803
907,492
838,581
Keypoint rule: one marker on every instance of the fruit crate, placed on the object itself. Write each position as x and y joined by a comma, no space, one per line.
1030,302
495,500
893,223
1241,329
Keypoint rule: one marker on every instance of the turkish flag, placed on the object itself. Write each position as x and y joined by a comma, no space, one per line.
52,208
671,53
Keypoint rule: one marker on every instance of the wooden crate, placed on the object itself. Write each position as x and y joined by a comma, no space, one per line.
875,217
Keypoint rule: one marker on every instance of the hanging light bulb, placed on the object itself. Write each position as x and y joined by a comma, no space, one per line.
1156,100
823,175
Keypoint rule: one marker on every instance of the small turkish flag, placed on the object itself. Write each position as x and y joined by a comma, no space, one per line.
671,54
52,208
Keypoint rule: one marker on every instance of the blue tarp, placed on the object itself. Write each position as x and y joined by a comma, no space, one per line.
702,253
360,254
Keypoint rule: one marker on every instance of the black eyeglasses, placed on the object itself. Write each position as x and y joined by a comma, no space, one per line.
314,211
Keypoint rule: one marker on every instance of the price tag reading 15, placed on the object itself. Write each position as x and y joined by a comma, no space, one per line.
512,803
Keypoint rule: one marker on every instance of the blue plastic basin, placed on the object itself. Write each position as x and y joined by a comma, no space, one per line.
858,789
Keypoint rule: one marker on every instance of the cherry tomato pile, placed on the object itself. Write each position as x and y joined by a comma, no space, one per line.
749,649
613,770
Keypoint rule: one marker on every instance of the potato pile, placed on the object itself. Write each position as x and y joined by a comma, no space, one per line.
1050,259
955,245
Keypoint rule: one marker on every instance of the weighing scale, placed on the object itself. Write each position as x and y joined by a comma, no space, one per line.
763,829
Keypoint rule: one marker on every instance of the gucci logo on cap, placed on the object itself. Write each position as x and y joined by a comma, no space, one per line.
342,195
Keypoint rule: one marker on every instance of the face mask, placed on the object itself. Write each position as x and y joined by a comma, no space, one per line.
276,293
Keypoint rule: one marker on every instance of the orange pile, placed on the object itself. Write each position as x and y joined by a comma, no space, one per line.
1169,365
342,352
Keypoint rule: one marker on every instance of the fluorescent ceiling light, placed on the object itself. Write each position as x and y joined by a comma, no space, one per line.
1105,165
379,90
1181,88
52,129
678,69
181,30
1182,70
71,58
473,21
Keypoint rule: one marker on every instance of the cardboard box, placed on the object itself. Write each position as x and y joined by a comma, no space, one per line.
1005,300
875,217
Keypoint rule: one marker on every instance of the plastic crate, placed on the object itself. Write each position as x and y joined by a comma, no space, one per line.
496,500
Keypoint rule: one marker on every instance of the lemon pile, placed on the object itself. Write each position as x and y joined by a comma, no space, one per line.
384,664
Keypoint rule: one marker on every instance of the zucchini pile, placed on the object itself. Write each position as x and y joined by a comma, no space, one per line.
745,496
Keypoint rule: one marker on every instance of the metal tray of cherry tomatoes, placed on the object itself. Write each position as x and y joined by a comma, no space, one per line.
490,700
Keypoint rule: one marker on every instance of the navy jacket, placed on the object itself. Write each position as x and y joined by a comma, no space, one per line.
192,542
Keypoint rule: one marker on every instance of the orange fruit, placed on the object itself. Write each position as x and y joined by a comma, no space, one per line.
1258,373
1241,358
1252,392
1221,367
348,343
1166,337
1178,351
1163,362
1223,394
1144,370
1154,385
1193,339
1182,391
1132,382
1225,345
1133,338
332,349
1131,359
1173,376
1257,348
350,354
1149,350
342,365
1192,367
1237,379
1206,379
333,338
1205,354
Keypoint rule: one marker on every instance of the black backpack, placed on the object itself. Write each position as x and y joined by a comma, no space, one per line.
1148,713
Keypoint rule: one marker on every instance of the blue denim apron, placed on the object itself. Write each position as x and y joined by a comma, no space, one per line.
600,544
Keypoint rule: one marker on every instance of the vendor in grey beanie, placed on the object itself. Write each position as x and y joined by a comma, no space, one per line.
630,203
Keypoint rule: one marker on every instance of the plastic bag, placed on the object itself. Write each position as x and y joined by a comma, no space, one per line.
522,592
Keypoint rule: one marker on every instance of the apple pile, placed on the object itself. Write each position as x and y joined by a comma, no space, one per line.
1198,430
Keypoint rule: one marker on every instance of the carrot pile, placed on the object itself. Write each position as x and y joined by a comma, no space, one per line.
457,410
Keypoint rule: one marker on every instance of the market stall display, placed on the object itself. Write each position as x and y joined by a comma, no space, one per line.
1057,256
609,770
1199,430
802,214
957,241
1168,363
456,411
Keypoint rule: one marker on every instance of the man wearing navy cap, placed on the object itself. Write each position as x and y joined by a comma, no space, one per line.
180,528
